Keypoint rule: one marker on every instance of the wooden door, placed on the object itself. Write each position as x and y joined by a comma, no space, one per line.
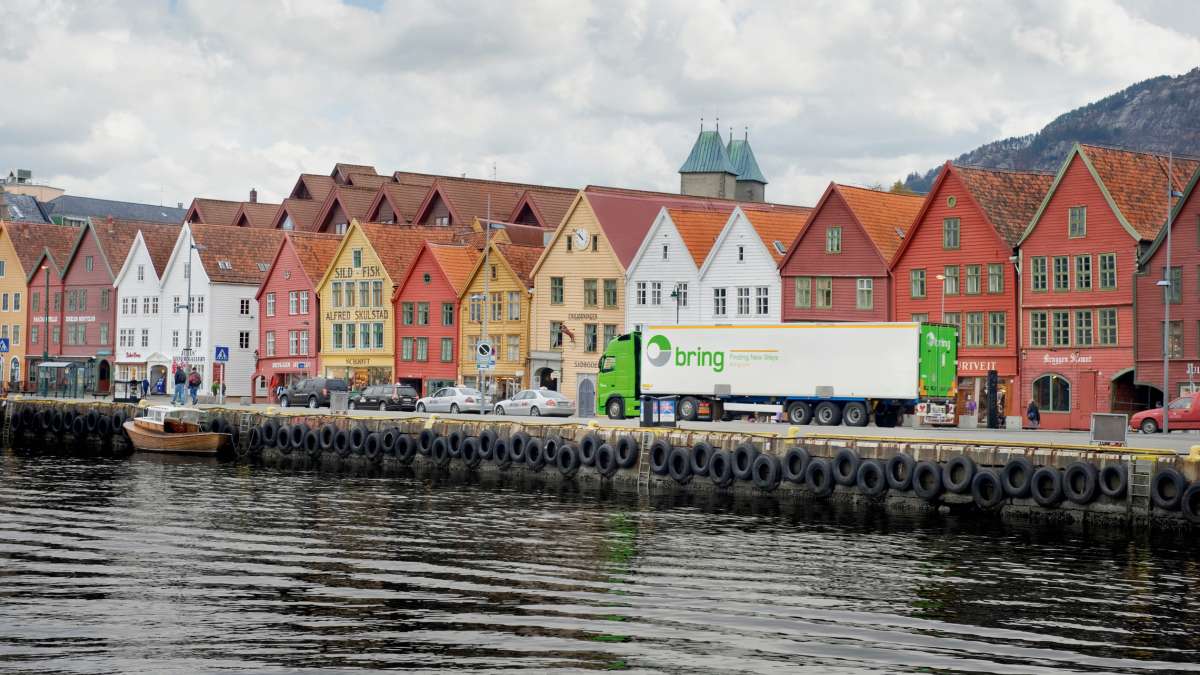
1083,400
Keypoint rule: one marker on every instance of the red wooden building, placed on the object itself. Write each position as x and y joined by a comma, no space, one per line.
837,267
426,312
1149,299
289,332
45,259
957,265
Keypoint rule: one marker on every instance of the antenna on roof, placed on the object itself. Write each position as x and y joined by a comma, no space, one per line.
493,170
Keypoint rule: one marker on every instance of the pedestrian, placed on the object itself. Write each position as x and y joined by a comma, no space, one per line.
1034,416
180,381
970,406
145,387
193,382
160,386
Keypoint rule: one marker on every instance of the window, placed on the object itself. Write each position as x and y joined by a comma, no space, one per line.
376,335
1061,336
1062,273
741,254
442,221
954,319
145,337
497,306
1083,328
304,343
105,295
1037,273
1108,271
590,298
351,336
656,293
364,294
950,283
356,255
824,299
973,272
175,339
224,264
447,313
89,263
610,333
865,298
974,337
243,339
244,307
348,296
1174,341
293,342
640,290
1052,393
1173,294
995,278
916,282
447,351
475,309
406,349
33,334
610,292
681,294
37,301
407,313
589,337
743,300
270,304
513,352
664,251
141,273
556,290
920,317
803,293
1083,272
493,271
376,295
337,294
1108,326
1037,329
718,302
1077,222
556,335
423,312
56,335
16,337
304,302
4,302
595,243
197,340
293,302
269,342
762,301
422,349
514,306
833,240
950,233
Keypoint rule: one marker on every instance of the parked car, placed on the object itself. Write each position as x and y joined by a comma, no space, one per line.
536,402
386,397
312,392
452,400
1182,413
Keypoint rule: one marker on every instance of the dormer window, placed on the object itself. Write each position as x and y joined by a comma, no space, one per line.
288,224
442,221
224,264
779,248
263,267
340,228
357,257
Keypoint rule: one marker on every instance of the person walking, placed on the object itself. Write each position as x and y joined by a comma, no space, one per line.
180,380
194,381
1033,415
145,387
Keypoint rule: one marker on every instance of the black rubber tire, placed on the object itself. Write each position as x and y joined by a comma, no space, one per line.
606,460
516,447
387,441
406,449
660,457
104,427
1190,503
341,443
440,452
486,438
627,451
794,463
568,460
819,477
587,449
373,447
1114,480
743,461
958,473
872,478
312,443
93,418
1081,483
455,439
1046,486
1017,476
1149,426
425,441
535,454
283,439
78,427
845,465
57,420
799,413
1167,488
615,408
720,469
679,465
270,431
550,448
987,490
297,438
358,440
254,442
899,471
855,414
501,455
698,457
44,420
927,481
469,451
828,414
766,472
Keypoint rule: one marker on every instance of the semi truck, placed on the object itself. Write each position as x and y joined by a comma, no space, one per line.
823,373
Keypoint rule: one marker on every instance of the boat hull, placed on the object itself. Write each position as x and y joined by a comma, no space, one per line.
199,443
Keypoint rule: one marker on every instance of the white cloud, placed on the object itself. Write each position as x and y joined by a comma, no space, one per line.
169,101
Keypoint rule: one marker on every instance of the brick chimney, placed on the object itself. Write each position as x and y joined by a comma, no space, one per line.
253,196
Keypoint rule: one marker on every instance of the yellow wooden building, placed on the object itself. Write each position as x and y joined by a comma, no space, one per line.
21,247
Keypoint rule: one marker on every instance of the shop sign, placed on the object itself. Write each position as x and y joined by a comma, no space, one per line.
357,315
587,364
364,272
132,355
80,319
977,365
42,319
1192,370
1065,359
582,316
358,362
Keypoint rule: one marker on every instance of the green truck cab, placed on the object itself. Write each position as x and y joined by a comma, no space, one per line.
618,384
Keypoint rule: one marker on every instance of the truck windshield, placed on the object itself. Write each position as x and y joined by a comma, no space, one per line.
607,363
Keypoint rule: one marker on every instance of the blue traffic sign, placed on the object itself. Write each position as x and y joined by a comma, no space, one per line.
222,354
3,345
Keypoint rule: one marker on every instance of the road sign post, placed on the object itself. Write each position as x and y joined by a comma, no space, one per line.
221,356
484,361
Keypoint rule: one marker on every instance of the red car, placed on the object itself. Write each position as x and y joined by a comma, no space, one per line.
1183,413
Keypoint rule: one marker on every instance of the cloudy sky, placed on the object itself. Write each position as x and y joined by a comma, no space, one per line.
160,102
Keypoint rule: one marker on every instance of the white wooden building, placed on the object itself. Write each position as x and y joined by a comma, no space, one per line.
139,351
662,283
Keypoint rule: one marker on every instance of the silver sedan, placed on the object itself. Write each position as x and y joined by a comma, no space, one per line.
453,400
536,402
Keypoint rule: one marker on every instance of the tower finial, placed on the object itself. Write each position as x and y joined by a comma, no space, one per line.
702,124
747,133
718,127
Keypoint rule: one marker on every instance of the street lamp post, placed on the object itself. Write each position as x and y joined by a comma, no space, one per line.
484,303
187,329
1166,284
942,278
45,334
675,295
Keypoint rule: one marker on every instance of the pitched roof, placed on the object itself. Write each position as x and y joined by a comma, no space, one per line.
397,247
699,229
708,155
355,203
342,171
885,216
31,239
404,198
549,204
71,206
247,258
212,211
456,263
315,251
777,225
160,241
115,239
1008,198
1189,193
1137,183
744,162
303,213
526,235
414,178
312,186
522,260
22,208
255,214
369,180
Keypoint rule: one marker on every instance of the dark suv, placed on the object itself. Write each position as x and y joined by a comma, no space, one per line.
313,392
386,397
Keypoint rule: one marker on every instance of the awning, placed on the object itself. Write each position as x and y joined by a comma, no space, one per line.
55,364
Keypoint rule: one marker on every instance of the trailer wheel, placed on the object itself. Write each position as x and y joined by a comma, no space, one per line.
799,413
855,414
688,407
885,416
615,408
828,414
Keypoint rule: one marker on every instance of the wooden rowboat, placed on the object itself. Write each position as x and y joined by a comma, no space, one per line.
173,430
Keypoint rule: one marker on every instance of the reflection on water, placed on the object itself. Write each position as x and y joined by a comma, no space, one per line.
141,565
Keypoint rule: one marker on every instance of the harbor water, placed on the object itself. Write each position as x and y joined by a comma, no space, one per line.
152,565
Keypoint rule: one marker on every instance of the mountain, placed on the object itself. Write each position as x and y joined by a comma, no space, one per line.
1158,115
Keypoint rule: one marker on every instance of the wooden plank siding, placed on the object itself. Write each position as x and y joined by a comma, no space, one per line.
276,362
426,284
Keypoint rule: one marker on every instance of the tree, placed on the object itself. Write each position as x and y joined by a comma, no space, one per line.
900,188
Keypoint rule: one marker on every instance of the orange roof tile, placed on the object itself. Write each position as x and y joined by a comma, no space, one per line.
404,198
369,180
397,247
699,229
303,213
355,203
456,263
467,198
115,239
342,171
212,211
521,259
781,225
312,186
413,178
1137,183
884,215
1008,198
247,258
255,214
315,251
32,239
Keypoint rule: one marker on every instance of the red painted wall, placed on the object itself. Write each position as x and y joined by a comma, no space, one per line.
437,291
1079,364
36,316
287,276
858,258
93,315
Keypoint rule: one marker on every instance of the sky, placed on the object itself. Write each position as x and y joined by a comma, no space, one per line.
163,102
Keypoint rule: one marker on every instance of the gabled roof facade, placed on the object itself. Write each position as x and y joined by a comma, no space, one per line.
401,199
301,212
32,240
353,202
229,256
114,239
255,214
311,186
212,211
883,216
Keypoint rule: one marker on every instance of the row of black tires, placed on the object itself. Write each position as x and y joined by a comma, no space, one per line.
63,421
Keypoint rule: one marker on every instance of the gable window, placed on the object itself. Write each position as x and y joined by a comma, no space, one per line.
762,302
348,295
1173,293
364,294
995,278
406,313
304,301
997,329
802,297
1052,393
447,313
514,306
824,292
950,283
89,263
336,294
916,283
664,251
441,221
1108,326
1083,272
423,313
141,273
973,272
741,254
556,290
743,300
1077,226
270,304
866,293
475,309
719,301
641,293
1037,329
1108,271
356,256
1037,273
376,296
974,337
833,239
1083,328
951,233
610,293
497,306
1062,273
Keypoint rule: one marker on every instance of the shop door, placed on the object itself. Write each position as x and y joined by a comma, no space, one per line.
1084,400
585,400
